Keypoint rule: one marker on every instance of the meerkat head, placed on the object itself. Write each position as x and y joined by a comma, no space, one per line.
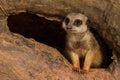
75,23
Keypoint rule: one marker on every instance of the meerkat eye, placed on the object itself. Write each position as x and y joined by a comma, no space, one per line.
67,20
77,22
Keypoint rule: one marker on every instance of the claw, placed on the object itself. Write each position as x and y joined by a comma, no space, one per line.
76,69
83,72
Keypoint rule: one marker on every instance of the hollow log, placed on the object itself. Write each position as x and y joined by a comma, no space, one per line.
25,59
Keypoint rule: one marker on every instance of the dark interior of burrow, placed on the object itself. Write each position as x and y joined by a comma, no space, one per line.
49,32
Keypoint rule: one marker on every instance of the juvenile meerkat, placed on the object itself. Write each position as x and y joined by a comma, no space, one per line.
80,42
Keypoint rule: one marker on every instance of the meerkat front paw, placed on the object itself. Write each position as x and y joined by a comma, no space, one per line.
84,71
76,69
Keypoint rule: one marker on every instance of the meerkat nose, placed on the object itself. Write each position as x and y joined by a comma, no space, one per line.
69,27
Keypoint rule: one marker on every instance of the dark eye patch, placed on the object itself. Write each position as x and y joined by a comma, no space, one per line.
77,22
67,20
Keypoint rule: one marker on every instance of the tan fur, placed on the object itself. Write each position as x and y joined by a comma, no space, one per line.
81,43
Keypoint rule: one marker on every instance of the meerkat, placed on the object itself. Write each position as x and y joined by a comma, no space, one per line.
81,43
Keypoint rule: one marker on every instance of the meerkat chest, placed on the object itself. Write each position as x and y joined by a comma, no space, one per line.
77,44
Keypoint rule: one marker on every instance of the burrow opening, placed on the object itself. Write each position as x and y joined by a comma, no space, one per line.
48,32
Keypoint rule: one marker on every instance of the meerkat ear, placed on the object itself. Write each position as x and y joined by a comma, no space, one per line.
88,23
63,18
